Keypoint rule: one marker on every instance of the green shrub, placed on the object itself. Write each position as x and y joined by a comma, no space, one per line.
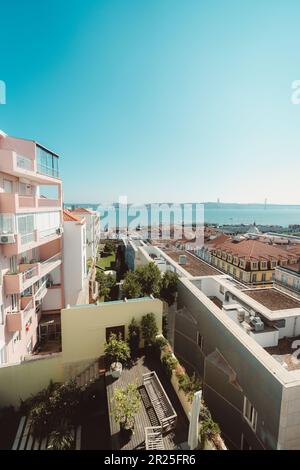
208,427
54,406
169,363
134,337
116,350
161,341
61,439
189,385
149,328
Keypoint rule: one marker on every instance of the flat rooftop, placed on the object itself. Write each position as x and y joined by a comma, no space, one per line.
273,299
284,353
194,265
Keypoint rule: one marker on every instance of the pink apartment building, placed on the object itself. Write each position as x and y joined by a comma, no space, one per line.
31,272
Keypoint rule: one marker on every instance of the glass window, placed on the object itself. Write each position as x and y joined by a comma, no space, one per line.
250,413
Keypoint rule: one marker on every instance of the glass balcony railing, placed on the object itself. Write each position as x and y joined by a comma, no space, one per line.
47,170
25,163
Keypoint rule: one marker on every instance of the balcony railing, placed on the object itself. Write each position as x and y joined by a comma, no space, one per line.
25,163
41,291
27,309
29,274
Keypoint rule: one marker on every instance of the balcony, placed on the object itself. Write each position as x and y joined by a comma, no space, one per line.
17,283
29,274
12,203
30,240
27,167
16,320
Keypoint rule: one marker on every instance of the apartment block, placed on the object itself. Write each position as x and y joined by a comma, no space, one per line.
76,285
92,229
249,261
244,344
30,243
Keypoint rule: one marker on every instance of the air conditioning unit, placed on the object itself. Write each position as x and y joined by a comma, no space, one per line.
7,238
258,324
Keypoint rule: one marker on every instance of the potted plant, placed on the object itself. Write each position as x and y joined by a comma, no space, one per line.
126,404
117,351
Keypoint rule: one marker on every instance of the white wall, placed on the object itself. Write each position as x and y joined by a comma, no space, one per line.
266,339
52,300
73,258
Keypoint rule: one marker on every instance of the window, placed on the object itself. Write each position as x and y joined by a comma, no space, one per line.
263,277
7,223
254,277
14,302
13,264
250,414
199,340
2,314
25,224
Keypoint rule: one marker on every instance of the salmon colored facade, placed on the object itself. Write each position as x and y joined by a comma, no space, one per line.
30,243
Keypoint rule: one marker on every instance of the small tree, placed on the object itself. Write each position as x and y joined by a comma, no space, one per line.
104,289
131,286
109,247
134,337
149,328
149,278
126,403
116,349
169,287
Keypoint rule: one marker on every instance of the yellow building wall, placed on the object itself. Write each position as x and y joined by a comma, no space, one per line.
84,328
19,381
83,337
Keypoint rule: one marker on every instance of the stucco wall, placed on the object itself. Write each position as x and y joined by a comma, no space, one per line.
84,327
19,381
83,337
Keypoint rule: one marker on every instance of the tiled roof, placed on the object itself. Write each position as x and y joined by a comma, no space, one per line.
83,210
70,217
250,249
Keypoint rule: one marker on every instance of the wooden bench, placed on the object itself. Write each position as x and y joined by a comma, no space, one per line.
160,401
24,440
154,438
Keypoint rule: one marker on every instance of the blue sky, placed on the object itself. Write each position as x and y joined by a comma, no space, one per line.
165,100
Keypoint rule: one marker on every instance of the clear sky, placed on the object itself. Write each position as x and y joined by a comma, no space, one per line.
161,100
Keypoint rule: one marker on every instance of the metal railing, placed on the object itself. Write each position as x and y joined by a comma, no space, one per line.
27,309
56,257
47,232
41,290
30,273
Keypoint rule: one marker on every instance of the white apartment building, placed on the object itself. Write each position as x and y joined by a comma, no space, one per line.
92,230
30,243
75,259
